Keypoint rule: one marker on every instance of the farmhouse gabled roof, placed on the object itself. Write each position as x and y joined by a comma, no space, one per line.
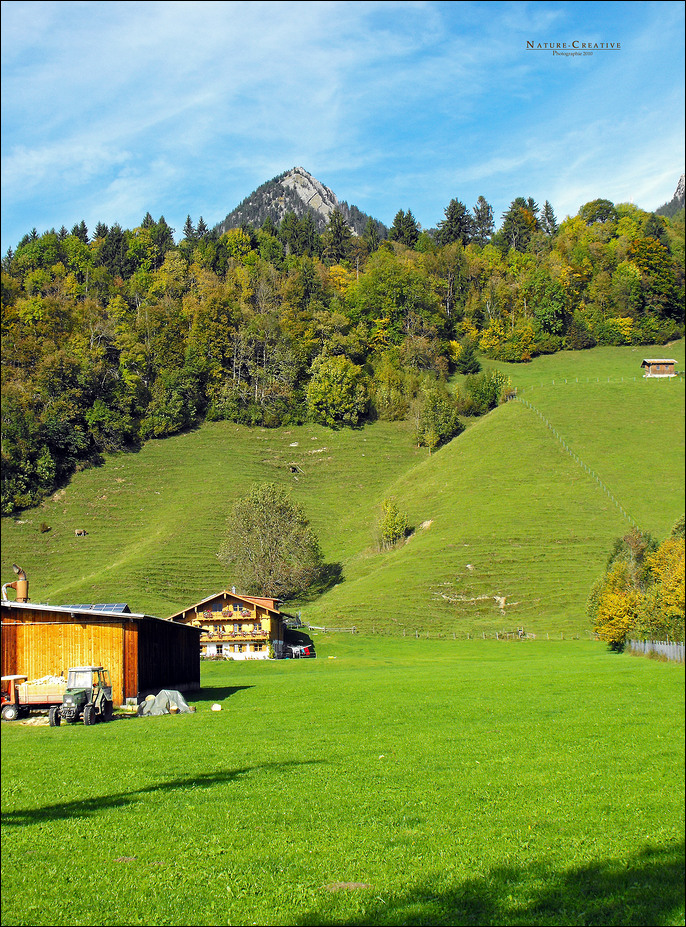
268,604
658,360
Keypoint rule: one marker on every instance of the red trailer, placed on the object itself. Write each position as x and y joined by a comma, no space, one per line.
20,696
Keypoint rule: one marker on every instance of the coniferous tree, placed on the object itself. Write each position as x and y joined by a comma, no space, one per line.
289,233
405,229
336,239
163,237
80,230
371,235
468,362
113,253
189,232
548,220
269,227
458,224
310,237
519,224
483,222
201,230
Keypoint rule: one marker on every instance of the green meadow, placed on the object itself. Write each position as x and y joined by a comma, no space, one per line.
418,772
512,521
389,781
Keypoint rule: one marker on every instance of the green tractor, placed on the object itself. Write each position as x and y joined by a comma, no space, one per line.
88,697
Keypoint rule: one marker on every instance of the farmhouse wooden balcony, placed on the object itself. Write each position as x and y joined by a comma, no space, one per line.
243,614
219,637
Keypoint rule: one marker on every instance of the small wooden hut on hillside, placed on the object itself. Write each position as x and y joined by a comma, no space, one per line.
658,367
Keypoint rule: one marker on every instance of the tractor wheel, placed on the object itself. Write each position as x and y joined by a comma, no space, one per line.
10,713
106,714
54,717
89,714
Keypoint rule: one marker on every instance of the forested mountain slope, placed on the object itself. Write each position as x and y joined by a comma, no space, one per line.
116,337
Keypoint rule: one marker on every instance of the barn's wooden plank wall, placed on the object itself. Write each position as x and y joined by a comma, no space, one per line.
41,644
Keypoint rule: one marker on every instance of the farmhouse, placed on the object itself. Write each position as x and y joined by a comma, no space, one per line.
237,627
142,653
659,367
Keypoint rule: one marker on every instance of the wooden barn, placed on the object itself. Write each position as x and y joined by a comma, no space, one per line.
658,367
236,627
142,653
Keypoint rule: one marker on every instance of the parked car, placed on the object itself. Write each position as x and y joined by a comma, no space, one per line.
301,650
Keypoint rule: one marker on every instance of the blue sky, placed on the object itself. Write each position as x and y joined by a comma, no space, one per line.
114,109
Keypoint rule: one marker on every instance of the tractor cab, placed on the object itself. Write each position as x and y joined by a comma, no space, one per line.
89,677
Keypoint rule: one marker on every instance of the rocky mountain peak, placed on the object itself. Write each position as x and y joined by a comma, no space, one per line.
313,194
299,192
676,203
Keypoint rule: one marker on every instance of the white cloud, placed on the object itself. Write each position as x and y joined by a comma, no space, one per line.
189,106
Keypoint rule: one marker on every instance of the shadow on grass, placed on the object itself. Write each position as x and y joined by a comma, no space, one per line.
90,806
645,889
215,693
330,575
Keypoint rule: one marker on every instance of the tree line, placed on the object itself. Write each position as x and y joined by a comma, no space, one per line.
641,594
116,336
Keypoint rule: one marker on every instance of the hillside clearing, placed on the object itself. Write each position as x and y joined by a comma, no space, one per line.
519,525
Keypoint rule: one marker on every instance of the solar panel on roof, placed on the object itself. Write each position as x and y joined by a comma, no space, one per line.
117,607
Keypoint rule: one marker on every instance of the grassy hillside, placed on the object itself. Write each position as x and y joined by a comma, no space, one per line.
510,530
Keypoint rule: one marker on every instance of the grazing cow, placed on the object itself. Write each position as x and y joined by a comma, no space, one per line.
80,532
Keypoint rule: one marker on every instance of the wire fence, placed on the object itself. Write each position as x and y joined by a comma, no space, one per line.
424,634
574,381
313,627
575,457
668,650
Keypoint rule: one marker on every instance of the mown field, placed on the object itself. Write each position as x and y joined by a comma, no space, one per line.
510,529
389,781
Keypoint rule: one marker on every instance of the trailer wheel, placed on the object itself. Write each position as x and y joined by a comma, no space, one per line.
10,713
89,714
54,716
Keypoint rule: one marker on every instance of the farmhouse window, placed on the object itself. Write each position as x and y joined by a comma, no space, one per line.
220,650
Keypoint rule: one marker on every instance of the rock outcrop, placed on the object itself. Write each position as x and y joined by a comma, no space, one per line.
299,192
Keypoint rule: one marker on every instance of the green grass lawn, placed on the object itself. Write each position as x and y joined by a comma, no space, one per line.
389,781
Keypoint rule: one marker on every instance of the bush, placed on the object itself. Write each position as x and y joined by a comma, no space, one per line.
336,395
393,525
436,417
486,389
